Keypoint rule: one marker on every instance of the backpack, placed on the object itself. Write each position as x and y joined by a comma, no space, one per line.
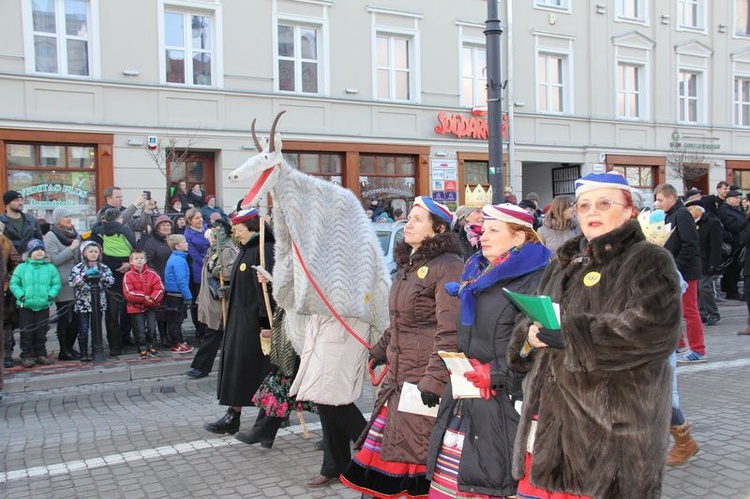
116,246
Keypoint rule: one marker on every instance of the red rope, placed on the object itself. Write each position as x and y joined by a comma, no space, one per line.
373,379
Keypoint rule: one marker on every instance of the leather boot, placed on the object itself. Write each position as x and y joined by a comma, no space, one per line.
745,331
65,353
684,445
229,423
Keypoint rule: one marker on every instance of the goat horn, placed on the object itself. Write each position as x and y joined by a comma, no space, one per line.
273,131
255,138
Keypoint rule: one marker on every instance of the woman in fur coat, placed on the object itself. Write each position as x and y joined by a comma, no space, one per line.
471,432
391,463
597,398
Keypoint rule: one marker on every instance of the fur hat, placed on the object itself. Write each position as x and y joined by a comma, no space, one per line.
59,213
439,210
508,213
33,245
594,181
244,216
11,196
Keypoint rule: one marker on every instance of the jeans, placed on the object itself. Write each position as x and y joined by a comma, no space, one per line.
144,328
34,326
677,417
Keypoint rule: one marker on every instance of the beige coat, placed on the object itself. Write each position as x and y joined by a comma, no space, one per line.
209,310
333,363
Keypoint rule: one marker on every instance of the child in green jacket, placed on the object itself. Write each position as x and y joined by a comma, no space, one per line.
35,284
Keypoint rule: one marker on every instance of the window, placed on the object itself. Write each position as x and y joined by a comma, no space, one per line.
324,165
742,101
564,180
393,67
553,4
632,10
687,92
298,58
629,85
641,177
551,77
742,17
388,177
52,175
189,48
61,37
473,76
690,14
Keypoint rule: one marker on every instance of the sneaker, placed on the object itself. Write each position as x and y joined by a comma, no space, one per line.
691,357
144,354
44,361
195,374
28,363
712,321
182,348
152,353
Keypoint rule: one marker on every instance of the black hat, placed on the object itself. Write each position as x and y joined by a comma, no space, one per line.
692,192
10,196
734,194
695,202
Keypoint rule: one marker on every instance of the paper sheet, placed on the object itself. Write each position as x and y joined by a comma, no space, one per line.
458,364
411,401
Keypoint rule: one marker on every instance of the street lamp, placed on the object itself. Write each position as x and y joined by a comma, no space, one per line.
492,32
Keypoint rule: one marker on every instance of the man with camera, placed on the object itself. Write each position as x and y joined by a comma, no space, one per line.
137,215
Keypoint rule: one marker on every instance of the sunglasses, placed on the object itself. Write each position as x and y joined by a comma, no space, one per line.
602,204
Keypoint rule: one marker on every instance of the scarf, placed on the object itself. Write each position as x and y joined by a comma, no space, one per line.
480,274
66,236
473,233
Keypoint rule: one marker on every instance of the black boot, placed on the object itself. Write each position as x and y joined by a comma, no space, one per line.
65,353
264,431
229,423
83,344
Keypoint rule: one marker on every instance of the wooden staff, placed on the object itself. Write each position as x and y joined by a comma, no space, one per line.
223,299
264,285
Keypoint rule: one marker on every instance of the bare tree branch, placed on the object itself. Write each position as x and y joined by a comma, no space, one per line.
170,153
687,160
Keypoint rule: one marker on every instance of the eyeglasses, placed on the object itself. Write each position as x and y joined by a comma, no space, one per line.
602,204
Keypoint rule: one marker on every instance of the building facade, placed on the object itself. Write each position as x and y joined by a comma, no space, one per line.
386,98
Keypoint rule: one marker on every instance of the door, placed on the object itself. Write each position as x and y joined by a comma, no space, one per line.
197,167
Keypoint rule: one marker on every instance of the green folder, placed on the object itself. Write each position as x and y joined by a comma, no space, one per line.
536,308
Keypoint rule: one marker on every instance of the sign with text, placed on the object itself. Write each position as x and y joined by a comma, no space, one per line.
466,126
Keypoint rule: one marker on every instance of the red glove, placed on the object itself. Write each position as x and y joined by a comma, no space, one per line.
480,378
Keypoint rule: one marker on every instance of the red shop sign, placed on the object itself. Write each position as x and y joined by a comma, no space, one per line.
466,126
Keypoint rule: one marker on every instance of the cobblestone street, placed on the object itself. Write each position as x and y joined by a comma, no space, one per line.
144,437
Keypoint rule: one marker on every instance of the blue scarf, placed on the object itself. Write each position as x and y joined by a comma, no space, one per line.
479,274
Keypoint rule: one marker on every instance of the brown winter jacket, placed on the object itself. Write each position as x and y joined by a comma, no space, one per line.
604,399
423,321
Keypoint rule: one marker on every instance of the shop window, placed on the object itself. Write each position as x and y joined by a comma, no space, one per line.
52,175
741,178
641,177
564,179
388,178
476,172
324,165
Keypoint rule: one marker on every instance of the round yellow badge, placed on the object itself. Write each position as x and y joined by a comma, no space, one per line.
243,266
591,279
422,272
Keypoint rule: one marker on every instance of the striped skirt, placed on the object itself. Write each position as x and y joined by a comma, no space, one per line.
370,474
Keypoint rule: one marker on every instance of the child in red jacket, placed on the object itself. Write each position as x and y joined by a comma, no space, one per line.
143,291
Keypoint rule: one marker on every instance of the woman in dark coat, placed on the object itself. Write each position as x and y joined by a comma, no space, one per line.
472,442
597,398
391,463
157,253
243,366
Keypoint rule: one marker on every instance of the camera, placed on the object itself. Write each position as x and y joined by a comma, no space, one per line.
148,195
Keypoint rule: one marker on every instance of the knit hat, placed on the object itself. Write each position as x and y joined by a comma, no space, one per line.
594,181
439,210
59,213
111,215
508,213
734,194
11,196
162,218
86,244
244,216
209,198
533,196
33,245
175,200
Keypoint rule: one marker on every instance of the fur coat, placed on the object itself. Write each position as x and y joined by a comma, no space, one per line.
603,400
423,321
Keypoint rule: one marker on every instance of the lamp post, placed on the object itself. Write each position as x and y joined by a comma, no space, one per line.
492,32
93,278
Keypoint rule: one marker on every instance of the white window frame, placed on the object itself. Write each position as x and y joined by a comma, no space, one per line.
214,12
622,14
564,5
683,99
634,49
683,9
642,110
478,77
555,45
60,38
737,103
734,20
380,27
322,27
545,108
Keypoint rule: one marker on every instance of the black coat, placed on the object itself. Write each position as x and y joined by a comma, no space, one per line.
491,425
683,243
243,366
709,237
157,253
29,230
734,222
